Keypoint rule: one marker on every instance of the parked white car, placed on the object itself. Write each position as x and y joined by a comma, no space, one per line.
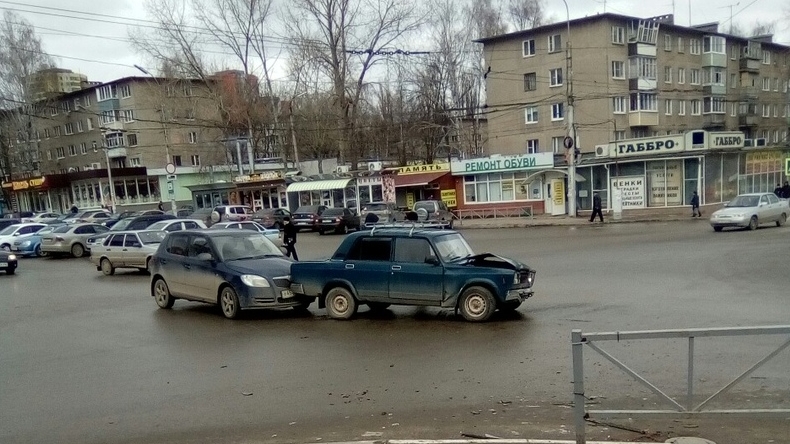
169,225
9,234
750,211
42,218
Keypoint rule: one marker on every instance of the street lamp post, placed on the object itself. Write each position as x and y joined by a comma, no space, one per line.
171,193
111,185
571,151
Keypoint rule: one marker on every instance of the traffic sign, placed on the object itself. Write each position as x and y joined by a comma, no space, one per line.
170,168
567,142
171,177
170,186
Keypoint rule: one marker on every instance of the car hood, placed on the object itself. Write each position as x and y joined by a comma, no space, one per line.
267,267
494,261
729,211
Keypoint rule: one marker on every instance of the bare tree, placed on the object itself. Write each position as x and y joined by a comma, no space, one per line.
21,56
343,40
487,18
525,14
757,28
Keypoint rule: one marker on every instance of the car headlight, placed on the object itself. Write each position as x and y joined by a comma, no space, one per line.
252,280
11,257
25,244
516,280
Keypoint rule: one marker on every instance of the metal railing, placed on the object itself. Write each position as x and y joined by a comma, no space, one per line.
579,340
493,213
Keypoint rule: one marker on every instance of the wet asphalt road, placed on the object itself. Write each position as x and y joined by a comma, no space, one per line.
87,358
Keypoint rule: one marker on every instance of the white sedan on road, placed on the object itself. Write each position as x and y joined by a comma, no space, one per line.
751,210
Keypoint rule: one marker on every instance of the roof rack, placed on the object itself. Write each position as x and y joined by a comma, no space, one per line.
406,224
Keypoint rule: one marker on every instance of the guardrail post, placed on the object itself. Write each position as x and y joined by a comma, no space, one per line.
578,385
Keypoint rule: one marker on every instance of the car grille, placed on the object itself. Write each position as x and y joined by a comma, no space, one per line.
282,282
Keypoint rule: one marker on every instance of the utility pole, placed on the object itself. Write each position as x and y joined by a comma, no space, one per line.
570,150
106,150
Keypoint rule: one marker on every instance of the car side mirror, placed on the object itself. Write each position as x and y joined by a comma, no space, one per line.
762,204
431,260
205,257
16,234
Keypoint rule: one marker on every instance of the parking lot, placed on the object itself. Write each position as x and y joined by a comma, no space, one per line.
90,358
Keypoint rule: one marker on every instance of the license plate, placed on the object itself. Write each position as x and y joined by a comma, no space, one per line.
287,294
5,264
328,221
14,248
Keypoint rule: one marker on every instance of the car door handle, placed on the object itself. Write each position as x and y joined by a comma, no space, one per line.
349,266
124,249
187,266
396,268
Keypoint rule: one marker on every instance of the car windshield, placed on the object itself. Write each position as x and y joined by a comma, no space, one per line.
151,237
63,229
308,209
452,247
374,207
744,201
46,230
330,212
233,247
9,230
159,226
122,224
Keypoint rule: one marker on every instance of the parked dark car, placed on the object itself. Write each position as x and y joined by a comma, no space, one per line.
434,211
8,262
413,266
271,217
339,220
235,269
6,222
306,217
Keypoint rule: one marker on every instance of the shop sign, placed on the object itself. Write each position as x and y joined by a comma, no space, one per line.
18,185
632,189
723,140
503,163
763,162
258,177
649,146
665,183
363,181
409,200
448,197
429,168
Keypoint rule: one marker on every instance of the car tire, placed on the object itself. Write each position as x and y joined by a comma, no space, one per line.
753,223
106,267
229,302
510,305
340,304
378,306
718,229
321,231
77,250
38,251
477,304
162,294
782,220
5,247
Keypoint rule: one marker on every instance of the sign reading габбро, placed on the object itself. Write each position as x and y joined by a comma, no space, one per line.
498,164
648,146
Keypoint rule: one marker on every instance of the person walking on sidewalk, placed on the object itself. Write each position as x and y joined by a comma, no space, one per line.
289,238
786,190
695,211
596,208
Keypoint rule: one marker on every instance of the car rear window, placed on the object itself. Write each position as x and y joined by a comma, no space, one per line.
308,209
63,229
151,237
374,207
371,249
333,212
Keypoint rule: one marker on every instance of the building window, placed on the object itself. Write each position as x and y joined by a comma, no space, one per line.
733,109
131,139
713,105
86,101
618,35
681,75
125,91
115,140
190,114
46,133
733,80
734,50
187,89
555,77
83,148
72,150
776,136
528,48
108,116
556,145
61,153
57,131
766,57
557,111
79,126
530,82
776,83
694,46
49,154
127,115
695,107
95,146
619,135
533,146
618,70
531,115
667,42
681,107
106,92
135,162
766,84
195,160
642,67
90,124
644,102
667,74
680,45
505,187
193,137
618,105
714,44
694,76
668,107
555,43
177,160
776,110
714,76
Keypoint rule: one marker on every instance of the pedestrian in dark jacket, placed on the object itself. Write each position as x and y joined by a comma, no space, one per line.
74,209
289,238
778,190
695,211
786,191
596,210
371,219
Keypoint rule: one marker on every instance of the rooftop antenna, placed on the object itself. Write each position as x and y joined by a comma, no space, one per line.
732,5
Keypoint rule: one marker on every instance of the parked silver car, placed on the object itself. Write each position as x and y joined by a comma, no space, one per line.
70,239
751,210
129,249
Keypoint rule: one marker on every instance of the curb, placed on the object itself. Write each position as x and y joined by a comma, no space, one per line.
583,223
480,441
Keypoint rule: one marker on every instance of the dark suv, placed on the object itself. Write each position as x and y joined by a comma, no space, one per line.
306,217
434,211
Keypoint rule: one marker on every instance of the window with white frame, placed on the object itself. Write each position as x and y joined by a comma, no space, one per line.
61,152
681,107
555,43
77,103
46,133
86,101
530,82
784,86
125,91
643,101
53,110
680,45
555,77
733,80
694,46
714,44
776,136
766,57
667,74
714,76
195,160
642,67
618,69
776,83
733,110
766,110
766,84
90,124
776,110
734,51
618,105
79,126
695,107
108,116
528,48
557,111
531,115
49,154
786,111
618,35
681,75
115,140
694,76
106,92
714,105
127,115
494,187
57,131
556,145
619,135
68,129
764,134
72,150
135,162
131,139
83,148
667,42
193,137
668,107
533,146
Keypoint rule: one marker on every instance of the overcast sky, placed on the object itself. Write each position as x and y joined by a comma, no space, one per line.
91,36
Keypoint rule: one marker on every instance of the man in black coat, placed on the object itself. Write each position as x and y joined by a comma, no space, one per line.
786,191
289,238
695,212
596,210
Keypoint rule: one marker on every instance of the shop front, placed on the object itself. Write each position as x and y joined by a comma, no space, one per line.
43,193
338,193
414,183
261,190
210,195
500,183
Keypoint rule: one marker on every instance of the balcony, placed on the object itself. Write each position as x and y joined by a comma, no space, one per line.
748,120
115,153
643,118
714,121
713,89
714,59
749,65
642,84
749,93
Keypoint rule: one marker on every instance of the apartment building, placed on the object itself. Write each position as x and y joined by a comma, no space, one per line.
52,82
719,101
